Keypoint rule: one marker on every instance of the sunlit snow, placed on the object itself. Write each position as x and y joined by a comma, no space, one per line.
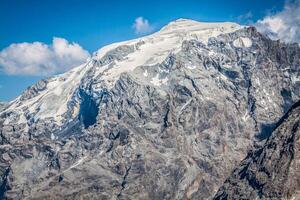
242,42
149,51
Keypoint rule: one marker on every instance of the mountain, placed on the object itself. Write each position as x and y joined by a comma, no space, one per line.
2,106
165,116
273,170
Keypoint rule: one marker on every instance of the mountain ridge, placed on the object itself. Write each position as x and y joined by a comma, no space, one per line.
116,51
166,117
269,172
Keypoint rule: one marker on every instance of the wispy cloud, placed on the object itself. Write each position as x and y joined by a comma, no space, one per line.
142,26
245,18
38,58
283,25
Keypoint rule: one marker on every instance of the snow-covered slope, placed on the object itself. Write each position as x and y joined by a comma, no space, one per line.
107,64
153,49
165,116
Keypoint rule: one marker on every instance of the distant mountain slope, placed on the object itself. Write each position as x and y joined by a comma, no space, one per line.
2,105
165,116
272,171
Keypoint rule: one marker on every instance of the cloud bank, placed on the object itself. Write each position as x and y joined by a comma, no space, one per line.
38,58
142,26
284,25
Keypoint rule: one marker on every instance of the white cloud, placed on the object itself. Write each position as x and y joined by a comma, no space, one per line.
142,26
38,58
284,25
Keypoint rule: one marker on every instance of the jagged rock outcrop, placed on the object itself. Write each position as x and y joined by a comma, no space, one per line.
166,116
273,170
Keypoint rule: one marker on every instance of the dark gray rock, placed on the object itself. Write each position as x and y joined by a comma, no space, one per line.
273,170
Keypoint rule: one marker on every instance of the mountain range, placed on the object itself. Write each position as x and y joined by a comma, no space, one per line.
194,111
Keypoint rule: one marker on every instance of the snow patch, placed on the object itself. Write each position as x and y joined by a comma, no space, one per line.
246,116
190,65
242,42
53,101
211,53
164,80
295,79
158,46
145,73
52,136
157,81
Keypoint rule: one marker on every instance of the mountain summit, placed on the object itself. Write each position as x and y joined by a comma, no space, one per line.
109,63
165,116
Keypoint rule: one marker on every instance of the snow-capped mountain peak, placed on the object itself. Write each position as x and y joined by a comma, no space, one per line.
188,25
184,103
154,48
108,63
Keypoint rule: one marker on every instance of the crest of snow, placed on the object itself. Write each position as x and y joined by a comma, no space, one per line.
242,42
158,46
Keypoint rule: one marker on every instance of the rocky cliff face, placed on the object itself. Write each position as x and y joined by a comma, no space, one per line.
167,116
273,170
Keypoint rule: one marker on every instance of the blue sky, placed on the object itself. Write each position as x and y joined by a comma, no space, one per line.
92,24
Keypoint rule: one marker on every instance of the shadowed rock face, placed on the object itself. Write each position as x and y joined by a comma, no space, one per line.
88,109
273,170
170,130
